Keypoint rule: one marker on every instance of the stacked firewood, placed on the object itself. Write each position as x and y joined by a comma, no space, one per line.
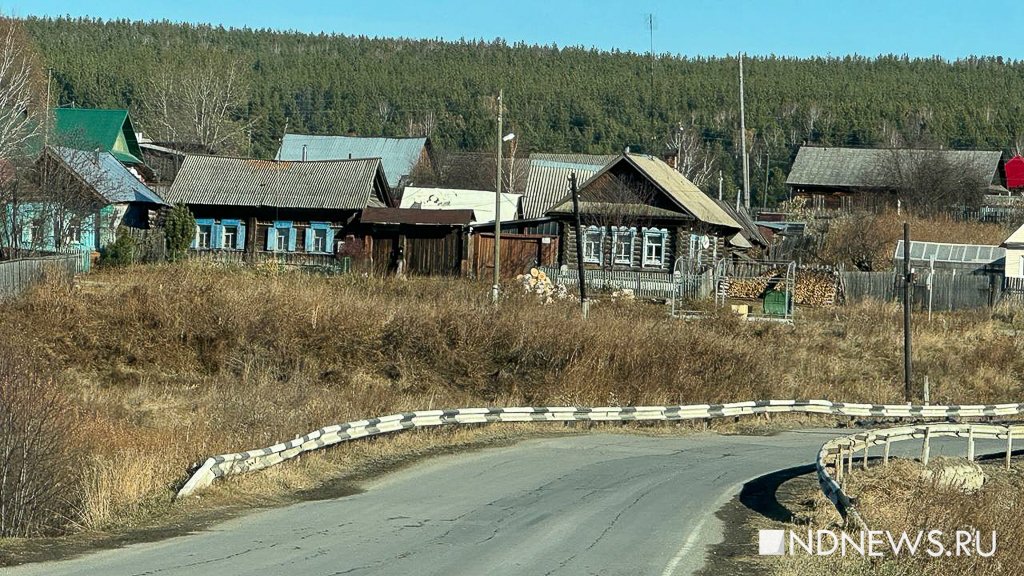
815,288
751,288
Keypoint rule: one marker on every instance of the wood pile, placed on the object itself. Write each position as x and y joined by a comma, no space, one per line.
815,288
751,288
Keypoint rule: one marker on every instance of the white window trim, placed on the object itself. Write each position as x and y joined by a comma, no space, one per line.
660,236
317,236
600,245
623,236
199,235
281,240
224,244
1021,269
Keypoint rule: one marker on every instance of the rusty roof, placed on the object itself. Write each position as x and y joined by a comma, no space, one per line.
416,216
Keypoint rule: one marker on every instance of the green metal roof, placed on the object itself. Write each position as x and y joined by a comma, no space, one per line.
109,130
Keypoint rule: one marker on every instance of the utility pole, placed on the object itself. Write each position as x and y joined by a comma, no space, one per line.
743,142
767,167
908,279
679,149
719,184
497,211
584,303
46,130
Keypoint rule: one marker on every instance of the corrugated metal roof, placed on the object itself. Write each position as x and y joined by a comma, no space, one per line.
979,254
859,167
547,182
106,175
94,127
398,155
332,185
481,202
416,216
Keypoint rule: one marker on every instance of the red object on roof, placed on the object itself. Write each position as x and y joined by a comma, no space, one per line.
1015,172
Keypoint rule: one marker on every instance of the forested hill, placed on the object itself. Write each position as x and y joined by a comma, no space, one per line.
556,99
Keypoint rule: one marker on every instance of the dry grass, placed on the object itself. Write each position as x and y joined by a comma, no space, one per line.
867,240
896,499
167,365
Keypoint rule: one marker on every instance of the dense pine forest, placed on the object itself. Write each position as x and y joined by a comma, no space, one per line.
556,99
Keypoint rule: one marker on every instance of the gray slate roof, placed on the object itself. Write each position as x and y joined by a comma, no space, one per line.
334,185
547,182
398,155
858,167
105,174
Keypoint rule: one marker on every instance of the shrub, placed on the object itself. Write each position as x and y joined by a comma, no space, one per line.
119,253
179,230
35,458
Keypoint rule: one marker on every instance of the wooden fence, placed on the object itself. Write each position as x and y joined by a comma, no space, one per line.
285,258
519,253
944,291
18,275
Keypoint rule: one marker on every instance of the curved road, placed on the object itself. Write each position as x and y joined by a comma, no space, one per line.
589,504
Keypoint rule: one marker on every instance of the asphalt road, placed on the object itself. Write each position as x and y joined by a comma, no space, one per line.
588,504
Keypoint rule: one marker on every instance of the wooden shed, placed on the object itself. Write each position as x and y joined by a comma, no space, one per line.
409,240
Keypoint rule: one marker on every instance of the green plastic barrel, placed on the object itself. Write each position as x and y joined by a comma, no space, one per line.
775,303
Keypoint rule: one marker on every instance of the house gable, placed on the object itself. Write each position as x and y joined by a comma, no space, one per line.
110,130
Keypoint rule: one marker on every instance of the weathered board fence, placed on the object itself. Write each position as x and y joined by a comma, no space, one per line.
941,291
519,253
18,275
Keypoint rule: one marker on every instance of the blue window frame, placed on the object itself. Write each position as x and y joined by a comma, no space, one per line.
319,238
204,239
281,237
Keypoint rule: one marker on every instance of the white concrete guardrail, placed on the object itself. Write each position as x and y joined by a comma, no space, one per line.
839,453
228,464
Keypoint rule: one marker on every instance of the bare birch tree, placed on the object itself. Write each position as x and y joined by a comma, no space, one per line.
199,102
21,107
693,160
22,118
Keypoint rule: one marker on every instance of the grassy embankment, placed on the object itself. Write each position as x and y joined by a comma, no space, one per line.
896,499
161,367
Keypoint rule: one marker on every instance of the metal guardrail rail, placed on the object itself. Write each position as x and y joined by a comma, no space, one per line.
840,453
832,452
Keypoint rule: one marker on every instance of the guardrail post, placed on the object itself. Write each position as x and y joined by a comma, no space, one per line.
839,466
885,454
867,446
849,462
1009,445
926,448
970,443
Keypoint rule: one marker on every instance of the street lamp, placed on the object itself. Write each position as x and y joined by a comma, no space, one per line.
497,215
497,205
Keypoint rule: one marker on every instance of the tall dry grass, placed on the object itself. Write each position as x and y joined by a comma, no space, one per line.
897,499
185,361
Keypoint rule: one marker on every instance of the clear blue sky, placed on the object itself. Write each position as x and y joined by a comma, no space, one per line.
801,28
